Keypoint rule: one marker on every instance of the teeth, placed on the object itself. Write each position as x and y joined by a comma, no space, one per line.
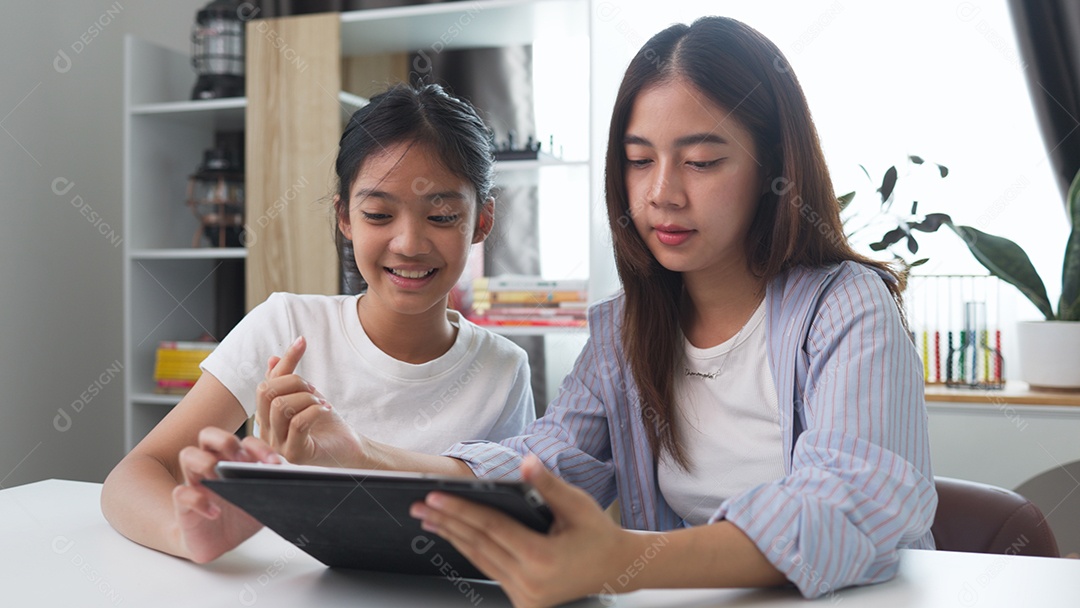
411,274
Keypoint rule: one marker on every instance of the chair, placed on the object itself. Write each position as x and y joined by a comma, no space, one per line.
980,518
1057,493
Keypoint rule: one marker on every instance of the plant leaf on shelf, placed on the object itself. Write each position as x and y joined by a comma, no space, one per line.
931,222
891,237
888,184
1007,261
1069,303
846,199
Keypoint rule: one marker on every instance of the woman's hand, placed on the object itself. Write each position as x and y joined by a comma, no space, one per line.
209,525
296,420
583,552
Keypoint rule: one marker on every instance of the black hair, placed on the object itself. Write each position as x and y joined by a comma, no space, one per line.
422,114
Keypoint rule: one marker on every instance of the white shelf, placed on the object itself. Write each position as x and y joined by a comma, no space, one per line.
540,330
156,399
350,104
211,115
183,107
170,287
204,253
433,28
506,166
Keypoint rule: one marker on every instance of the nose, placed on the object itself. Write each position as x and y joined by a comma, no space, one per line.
411,239
666,188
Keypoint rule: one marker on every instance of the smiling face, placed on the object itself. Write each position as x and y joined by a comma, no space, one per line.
693,178
411,222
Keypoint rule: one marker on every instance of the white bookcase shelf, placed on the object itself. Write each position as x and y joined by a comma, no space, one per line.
538,330
459,25
156,399
206,253
169,286
188,106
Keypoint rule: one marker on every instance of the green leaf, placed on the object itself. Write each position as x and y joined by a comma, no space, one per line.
916,159
867,173
943,170
931,222
1069,304
1007,261
919,262
846,199
888,183
888,239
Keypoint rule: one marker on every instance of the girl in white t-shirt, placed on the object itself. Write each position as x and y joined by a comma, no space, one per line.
415,171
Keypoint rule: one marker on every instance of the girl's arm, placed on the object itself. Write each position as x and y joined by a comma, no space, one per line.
137,498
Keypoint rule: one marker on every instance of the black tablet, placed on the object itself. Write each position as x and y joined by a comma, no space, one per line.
359,518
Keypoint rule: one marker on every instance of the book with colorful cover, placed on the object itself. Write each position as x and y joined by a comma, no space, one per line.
177,364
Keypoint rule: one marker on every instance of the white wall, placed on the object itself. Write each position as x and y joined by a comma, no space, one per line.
60,255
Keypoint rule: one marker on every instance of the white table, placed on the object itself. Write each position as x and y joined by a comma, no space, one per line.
56,549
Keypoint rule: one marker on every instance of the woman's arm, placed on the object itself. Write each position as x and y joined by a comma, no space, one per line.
137,498
585,552
860,485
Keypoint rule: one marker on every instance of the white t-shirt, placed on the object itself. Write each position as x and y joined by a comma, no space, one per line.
728,421
479,389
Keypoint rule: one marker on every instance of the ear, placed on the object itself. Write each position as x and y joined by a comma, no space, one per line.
485,221
343,220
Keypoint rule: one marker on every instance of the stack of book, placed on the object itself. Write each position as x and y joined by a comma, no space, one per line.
177,366
529,301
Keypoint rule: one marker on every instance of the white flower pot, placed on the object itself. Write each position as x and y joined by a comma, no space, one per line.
1049,353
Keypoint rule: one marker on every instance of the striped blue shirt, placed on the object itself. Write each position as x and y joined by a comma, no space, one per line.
858,484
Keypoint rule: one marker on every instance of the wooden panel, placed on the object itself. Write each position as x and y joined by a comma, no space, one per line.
367,75
293,127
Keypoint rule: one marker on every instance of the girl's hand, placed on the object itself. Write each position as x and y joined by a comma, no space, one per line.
583,552
296,420
209,525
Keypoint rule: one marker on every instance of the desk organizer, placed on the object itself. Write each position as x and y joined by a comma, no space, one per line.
955,323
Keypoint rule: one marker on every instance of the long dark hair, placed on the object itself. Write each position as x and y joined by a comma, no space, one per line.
797,221
424,114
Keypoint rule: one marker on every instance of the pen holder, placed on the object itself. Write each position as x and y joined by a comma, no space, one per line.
973,362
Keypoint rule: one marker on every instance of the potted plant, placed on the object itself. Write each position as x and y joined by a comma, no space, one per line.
1049,349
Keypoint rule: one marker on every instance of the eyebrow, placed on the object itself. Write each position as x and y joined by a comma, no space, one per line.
682,142
452,195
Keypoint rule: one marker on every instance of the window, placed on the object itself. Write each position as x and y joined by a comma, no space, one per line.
943,80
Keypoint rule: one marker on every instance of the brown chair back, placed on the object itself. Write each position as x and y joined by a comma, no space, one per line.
980,518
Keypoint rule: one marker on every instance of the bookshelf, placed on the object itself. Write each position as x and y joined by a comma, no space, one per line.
169,291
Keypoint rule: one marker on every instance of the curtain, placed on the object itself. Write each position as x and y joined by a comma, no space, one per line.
1048,33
